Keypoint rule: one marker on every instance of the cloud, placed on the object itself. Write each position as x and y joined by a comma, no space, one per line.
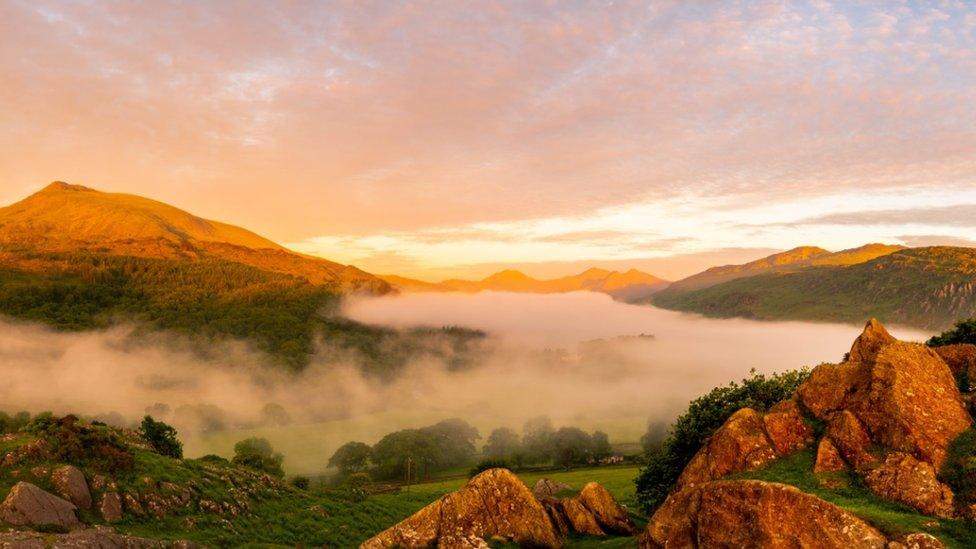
960,215
922,240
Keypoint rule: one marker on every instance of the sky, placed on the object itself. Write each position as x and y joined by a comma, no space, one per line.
437,139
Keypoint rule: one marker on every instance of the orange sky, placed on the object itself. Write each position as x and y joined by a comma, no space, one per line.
432,139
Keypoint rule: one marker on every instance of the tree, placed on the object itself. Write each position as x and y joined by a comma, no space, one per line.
393,452
351,457
963,332
161,437
257,453
454,440
571,446
600,445
275,414
502,444
536,439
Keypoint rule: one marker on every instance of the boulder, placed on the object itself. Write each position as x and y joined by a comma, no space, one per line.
918,540
751,513
111,507
493,504
786,428
547,488
580,519
28,505
740,444
851,440
70,484
611,517
99,537
904,479
828,458
903,393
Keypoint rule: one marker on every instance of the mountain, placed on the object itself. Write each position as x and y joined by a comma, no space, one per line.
922,287
804,256
626,286
72,218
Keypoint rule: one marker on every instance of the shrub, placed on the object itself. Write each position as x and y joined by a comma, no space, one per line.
358,480
963,332
257,453
959,469
72,442
161,437
702,418
486,464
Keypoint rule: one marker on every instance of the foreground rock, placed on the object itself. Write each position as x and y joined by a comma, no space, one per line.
749,513
98,537
904,479
494,504
28,505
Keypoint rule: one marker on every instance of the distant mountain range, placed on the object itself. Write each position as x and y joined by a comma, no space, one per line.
627,286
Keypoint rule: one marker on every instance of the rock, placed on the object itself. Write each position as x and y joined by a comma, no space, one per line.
828,458
494,503
70,483
99,537
919,540
546,488
903,393
961,360
132,504
904,479
580,519
111,507
751,513
556,515
609,515
851,440
786,429
740,444
28,505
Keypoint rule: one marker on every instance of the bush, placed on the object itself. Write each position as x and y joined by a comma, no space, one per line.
72,442
161,437
959,469
351,457
702,418
300,482
486,464
257,453
358,480
963,332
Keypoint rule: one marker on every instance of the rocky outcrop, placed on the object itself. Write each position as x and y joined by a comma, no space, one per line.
740,444
493,504
902,393
28,505
547,488
611,517
70,483
750,513
904,479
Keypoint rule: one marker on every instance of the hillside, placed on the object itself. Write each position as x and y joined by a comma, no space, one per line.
804,256
626,286
921,287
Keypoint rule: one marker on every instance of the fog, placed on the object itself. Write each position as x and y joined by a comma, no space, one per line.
581,358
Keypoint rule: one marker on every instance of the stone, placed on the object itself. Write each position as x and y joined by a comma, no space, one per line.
70,484
828,458
546,488
580,519
904,479
494,503
786,428
111,507
849,437
611,517
740,444
918,540
752,513
28,505
961,360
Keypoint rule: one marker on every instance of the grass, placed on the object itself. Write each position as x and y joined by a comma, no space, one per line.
891,518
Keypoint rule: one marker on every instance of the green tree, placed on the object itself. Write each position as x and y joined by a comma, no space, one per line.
571,446
600,444
963,332
393,453
454,441
502,444
537,439
161,437
351,457
257,453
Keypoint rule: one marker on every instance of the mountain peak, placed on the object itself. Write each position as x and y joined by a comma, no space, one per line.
509,275
61,186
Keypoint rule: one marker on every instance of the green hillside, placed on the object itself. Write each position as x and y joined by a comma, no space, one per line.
922,287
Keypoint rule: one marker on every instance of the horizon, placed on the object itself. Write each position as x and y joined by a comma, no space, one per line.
440,142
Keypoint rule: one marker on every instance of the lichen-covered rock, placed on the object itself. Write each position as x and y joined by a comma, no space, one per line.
904,479
786,429
828,458
111,507
750,513
918,540
740,444
70,484
851,439
494,503
547,488
580,519
611,517
903,393
28,505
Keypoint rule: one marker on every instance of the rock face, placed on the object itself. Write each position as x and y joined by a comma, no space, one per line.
28,505
494,503
70,483
749,513
547,488
904,479
902,393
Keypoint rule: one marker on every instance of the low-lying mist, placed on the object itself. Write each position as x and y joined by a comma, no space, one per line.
580,358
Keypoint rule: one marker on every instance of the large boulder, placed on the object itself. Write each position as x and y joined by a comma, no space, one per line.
70,484
580,519
739,444
902,393
751,513
611,517
904,479
493,504
28,505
